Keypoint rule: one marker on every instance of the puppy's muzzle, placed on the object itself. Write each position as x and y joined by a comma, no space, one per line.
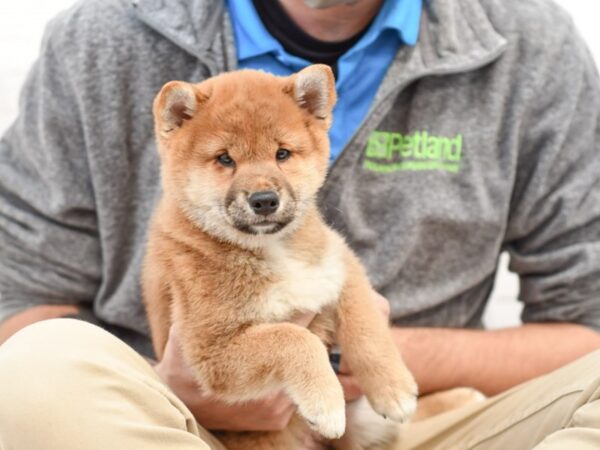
264,203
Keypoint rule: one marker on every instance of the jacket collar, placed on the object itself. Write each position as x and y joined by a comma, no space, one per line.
455,35
193,25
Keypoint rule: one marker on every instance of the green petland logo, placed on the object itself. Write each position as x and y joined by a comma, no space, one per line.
390,152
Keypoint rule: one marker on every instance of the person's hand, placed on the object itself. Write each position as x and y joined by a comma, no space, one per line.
269,414
349,383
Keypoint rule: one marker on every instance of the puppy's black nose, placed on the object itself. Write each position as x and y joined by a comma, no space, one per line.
264,202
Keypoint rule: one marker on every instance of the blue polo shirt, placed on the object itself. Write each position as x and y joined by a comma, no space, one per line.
359,71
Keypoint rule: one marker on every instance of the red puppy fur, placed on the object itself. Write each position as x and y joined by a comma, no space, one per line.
237,247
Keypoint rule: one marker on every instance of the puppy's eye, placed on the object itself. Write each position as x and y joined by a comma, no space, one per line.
225,160
282,154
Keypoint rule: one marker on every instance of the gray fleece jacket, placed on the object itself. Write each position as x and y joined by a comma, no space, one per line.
483,137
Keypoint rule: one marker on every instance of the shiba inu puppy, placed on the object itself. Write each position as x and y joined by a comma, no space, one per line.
237,248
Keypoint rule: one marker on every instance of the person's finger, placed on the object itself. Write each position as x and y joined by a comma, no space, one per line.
276,404
281,419
277,410
286,410
344,369
276,398
350,386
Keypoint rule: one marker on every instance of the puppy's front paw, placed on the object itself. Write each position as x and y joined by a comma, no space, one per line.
396,407
326,414
395,399
330,425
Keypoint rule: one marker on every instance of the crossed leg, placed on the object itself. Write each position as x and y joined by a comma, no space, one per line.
69,385
558,411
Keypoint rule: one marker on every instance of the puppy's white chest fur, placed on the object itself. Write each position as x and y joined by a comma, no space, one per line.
301,286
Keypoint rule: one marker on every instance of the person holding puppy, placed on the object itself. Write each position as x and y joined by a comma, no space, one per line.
463,128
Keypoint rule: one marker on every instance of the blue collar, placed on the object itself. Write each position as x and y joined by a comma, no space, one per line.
253,39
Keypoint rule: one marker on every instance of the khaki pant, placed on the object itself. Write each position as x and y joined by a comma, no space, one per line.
67,385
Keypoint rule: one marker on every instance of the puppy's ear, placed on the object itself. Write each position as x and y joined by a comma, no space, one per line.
314,90
176,103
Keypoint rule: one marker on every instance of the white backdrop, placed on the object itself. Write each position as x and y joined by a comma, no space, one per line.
21,26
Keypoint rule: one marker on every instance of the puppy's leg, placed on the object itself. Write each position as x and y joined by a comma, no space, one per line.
440,402
367,430
368,348
157,302
266,357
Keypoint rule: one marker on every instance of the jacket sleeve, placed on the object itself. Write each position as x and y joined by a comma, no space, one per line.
553,233
49,246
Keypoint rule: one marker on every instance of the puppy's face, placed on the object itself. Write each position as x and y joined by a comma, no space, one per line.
244,153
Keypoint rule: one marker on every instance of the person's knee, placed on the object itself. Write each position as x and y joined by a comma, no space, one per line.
64,382
595,355
591,360
592,364
40,360
51,375
55,334
41,364
583,375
